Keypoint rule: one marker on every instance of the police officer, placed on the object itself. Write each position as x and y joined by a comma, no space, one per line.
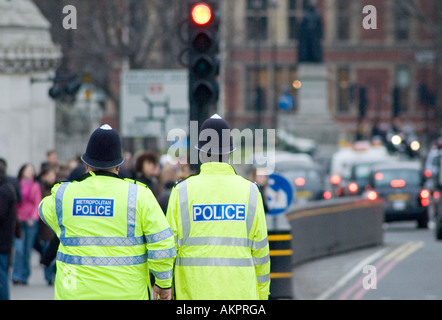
219,224
111,230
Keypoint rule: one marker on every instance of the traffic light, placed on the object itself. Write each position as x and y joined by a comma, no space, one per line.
65,86
203,27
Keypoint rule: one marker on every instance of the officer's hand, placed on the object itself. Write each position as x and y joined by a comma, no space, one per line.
162,294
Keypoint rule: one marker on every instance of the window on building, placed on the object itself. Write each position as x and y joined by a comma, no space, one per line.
257,89
403,82
343,90
257,19
295,12
401,21
343,19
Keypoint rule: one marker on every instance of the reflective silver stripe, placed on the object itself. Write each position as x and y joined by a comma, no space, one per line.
161,254
159,236
253,200
40,213
217,241
264,278
102,241
101,261
184,207
59,207
131,209
262,260
260,244
162,275
214,262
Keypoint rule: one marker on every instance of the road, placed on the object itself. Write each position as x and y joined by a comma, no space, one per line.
405,267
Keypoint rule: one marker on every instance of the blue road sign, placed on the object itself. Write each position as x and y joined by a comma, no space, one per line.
286,101
279,194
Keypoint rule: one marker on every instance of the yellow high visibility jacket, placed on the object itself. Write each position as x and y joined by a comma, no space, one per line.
111,232
220,230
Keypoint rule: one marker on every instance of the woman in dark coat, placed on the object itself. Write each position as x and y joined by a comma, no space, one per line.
8,223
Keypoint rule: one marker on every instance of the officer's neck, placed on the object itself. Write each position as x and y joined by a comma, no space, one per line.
111,170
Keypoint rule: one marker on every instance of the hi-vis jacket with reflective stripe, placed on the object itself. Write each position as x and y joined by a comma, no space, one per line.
219,223
111,232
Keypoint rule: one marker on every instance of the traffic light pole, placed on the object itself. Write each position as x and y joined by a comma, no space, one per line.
203,66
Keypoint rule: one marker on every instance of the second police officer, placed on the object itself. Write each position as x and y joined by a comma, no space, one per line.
219,224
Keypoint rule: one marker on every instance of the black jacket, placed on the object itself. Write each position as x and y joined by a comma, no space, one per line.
8,216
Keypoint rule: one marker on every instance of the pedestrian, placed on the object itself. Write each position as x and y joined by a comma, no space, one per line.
218,220
27,211
8,224
260,176
112,231
12,180
168,178
147,169
48,178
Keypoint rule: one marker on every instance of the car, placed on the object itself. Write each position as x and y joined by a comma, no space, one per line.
431,166
351,164
306,178
401,185
359,174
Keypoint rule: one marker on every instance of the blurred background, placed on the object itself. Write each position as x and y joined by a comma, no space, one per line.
60,77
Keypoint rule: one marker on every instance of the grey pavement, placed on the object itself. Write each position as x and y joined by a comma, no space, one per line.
314,280
37,288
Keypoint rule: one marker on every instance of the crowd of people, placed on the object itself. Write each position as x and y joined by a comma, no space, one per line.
21,229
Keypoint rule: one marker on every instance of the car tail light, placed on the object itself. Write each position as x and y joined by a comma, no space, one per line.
436,194
427,173
398,183
335,179
300,182
327,195
425,197
353,187
425,194
372,195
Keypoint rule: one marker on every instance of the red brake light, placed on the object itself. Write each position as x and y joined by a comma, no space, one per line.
327,195
353,187
300,182
398,183
427,173
425,194
436,194
372,195
335,179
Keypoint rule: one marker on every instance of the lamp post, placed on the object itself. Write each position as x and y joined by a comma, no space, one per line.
257,6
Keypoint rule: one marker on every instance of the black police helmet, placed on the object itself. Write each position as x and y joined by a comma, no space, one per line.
103,149
222,143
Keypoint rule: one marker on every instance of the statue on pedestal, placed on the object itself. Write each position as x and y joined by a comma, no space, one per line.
310,36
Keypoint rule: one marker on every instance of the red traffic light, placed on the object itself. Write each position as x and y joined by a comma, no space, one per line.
201,14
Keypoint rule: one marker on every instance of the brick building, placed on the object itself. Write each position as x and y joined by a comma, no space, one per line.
394,62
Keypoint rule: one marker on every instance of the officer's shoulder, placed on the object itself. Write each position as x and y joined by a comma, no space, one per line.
58,184
254,182
184,179
139,183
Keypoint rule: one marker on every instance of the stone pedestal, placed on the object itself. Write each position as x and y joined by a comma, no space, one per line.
28,59
312,119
